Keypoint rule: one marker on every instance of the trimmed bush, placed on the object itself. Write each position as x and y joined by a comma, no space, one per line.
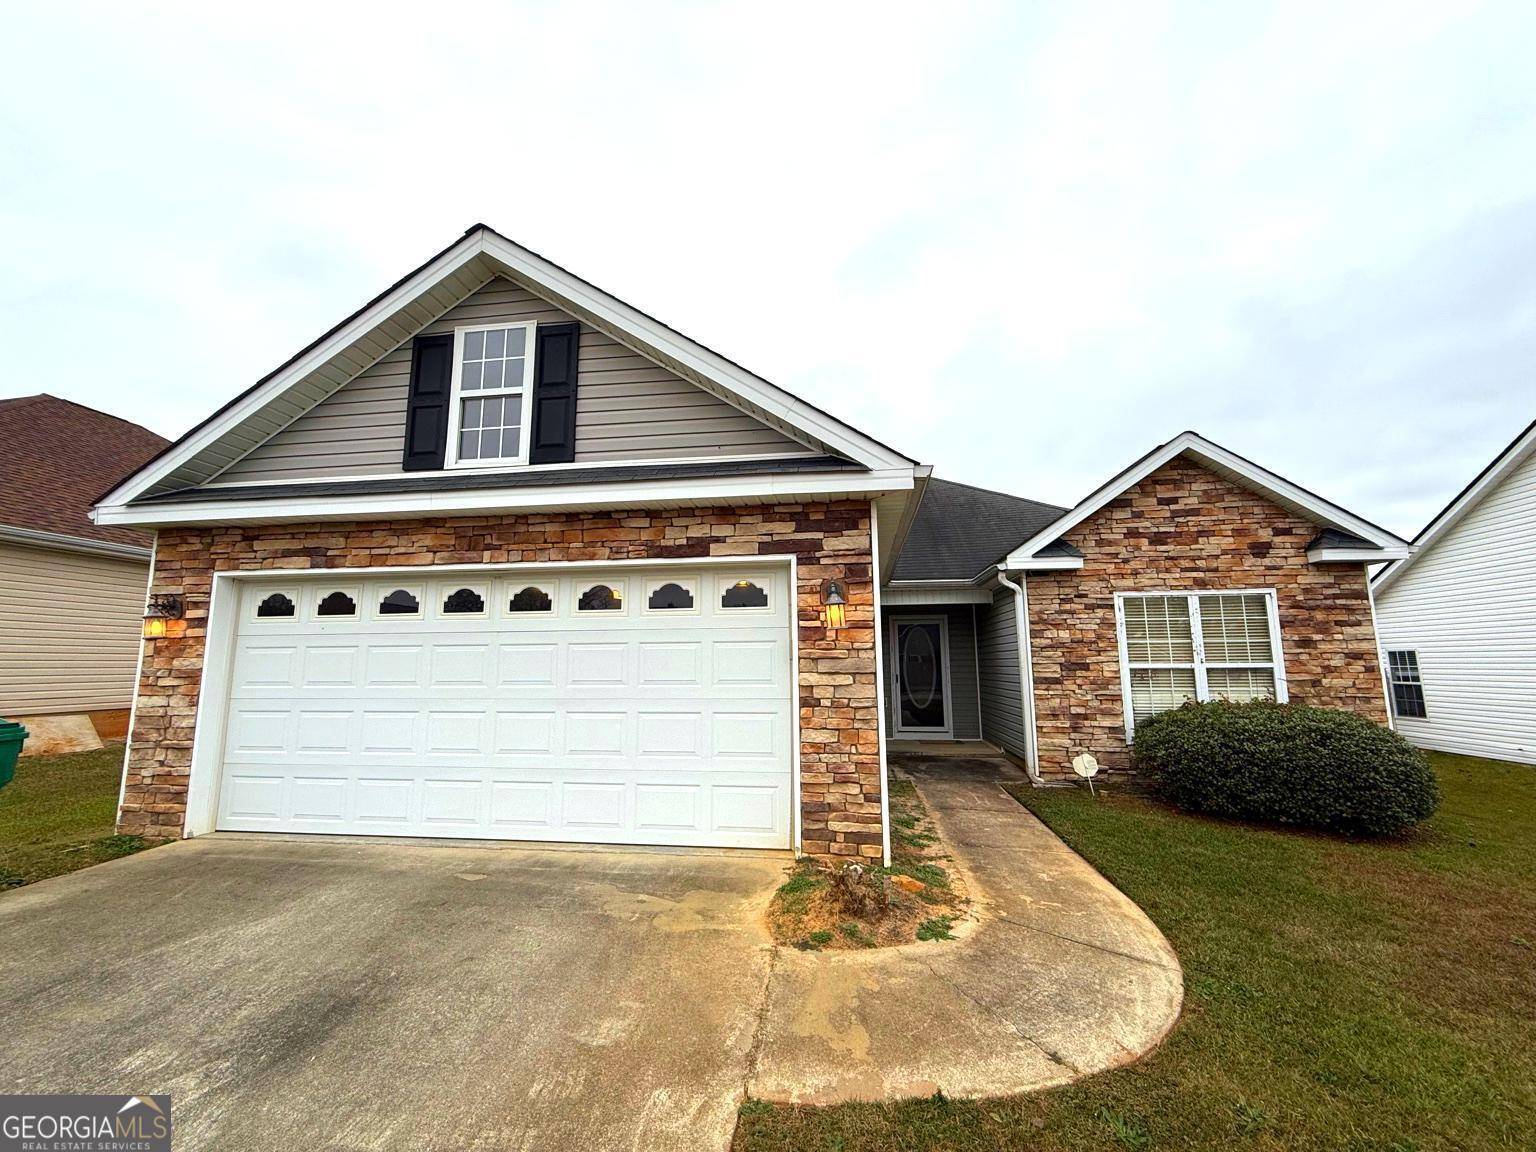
1286,763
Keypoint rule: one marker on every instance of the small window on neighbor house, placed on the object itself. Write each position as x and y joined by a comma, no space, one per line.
670,596
464,600
274,606
532,599
399,603
1407,685
337,604
744,594
600,598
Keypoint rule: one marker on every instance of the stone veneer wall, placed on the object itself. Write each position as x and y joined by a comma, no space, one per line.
839,724
1185,528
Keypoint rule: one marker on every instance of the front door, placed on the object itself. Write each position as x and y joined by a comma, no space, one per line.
920,676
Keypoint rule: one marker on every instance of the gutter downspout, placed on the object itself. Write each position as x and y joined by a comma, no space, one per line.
1026,670
1381,655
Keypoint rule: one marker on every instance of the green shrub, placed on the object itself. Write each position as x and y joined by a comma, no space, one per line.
1286,763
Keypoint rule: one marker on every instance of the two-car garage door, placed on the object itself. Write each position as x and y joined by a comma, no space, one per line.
619,705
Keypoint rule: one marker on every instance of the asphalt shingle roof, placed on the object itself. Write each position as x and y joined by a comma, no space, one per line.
59,456
959,530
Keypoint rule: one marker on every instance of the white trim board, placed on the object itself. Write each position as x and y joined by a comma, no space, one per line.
553,497
34,538
1225,463
566,291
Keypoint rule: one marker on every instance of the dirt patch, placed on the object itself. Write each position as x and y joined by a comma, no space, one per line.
921,896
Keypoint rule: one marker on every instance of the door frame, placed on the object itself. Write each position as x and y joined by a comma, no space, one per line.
948,731
206,771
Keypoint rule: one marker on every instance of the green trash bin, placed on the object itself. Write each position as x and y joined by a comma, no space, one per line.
12,737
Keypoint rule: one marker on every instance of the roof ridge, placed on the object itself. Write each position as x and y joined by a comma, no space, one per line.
35,397
1000,492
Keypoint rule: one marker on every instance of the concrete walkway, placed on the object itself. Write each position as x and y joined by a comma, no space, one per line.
1061,976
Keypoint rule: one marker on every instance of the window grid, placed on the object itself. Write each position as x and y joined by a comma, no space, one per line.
1407,685
490,383
1202,646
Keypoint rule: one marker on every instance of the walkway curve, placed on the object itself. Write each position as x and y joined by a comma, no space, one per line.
1062,976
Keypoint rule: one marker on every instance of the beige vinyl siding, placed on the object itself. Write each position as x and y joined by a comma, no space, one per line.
69,630
997,656
627,408
964,705
1467,606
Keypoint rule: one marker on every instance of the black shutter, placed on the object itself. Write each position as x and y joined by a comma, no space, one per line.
554,394
426,410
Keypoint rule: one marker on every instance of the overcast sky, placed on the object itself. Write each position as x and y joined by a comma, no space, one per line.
1023,243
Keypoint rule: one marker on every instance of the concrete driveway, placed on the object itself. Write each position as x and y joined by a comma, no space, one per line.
343,994
377,996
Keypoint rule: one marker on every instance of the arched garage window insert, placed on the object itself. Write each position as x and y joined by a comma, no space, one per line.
670,596
744,594
275,607
601,598
531,599
337,604
464,600
399,603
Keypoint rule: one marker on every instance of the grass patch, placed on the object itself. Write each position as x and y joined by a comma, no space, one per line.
1339,995
57,816
816,908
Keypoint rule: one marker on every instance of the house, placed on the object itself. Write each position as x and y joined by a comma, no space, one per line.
71,591
1456,618
501,556
1192,574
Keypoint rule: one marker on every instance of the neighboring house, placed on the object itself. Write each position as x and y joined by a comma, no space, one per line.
1457,619
500,556
71,591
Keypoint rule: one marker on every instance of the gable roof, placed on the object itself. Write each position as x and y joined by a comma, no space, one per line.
960,531
58,456
1359,539
1515,454
428,291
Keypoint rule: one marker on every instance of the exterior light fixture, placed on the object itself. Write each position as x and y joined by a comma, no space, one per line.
834,604
164,617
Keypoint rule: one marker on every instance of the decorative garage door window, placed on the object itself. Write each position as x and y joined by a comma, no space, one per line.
744,594
670,597
601,598
400,602
336,604
531,599
464,600
1197,646
275,607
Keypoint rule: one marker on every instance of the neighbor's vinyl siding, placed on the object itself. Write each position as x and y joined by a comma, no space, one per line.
627,408
69,630
1467,606
966,720
1002,697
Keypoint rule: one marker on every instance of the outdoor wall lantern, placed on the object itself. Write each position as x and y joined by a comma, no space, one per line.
834,602
164,617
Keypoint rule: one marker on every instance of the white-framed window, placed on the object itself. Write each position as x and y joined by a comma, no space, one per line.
672,594
1407,685
277,605
1178,646
489,413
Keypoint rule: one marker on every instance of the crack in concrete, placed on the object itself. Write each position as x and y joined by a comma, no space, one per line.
1108,951
1054,1057
760,1023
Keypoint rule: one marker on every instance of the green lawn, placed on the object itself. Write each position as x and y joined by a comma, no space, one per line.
57,816
1338,995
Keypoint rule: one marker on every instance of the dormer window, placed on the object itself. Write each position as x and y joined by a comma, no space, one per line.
492,383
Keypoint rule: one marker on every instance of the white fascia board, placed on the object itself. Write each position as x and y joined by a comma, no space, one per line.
711,365
61,542
1456,511
1356,555
911,592
550,498
439,269
1214,454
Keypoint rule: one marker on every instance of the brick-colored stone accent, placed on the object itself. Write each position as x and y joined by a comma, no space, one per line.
1185,528
839,725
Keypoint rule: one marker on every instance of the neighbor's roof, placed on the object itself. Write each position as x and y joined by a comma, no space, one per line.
58,457
960,531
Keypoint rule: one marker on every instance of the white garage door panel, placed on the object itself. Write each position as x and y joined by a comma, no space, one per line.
636,726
